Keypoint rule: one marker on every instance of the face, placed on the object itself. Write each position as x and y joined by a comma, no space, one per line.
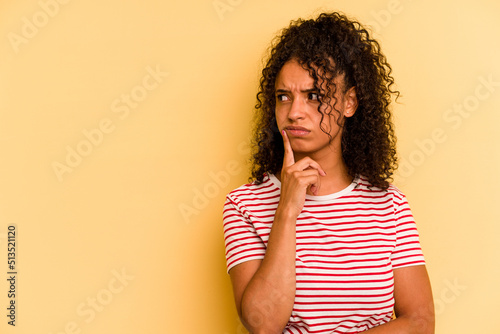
297,112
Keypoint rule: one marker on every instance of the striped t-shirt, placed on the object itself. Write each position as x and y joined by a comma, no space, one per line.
348,244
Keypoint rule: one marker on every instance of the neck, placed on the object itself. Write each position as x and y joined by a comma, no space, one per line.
337,177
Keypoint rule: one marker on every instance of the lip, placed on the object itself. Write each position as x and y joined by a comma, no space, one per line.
297,131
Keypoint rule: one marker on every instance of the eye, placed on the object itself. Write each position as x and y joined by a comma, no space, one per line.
282,97
313,96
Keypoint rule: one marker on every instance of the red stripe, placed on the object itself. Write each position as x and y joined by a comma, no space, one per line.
346,275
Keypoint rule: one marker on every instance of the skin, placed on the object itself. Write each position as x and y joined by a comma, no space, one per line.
264,290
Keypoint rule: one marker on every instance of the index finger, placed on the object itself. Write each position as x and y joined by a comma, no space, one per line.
288,158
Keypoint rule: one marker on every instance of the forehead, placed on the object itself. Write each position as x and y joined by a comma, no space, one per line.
294,75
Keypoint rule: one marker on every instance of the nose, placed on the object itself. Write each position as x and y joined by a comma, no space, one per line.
297,109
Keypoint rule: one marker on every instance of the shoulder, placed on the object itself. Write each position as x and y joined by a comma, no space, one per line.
255,192
364,186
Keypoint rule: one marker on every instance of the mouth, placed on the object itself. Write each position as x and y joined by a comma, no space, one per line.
297,131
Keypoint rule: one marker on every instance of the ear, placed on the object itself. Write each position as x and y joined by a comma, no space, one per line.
350,102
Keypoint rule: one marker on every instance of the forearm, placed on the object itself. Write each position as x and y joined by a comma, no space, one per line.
269,297
414,306
405,325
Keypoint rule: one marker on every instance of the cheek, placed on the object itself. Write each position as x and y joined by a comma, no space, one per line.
278,125
280,117
330,124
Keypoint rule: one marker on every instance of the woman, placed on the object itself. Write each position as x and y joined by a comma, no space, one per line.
320,242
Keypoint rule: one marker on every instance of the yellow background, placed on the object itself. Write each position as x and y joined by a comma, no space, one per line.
146,199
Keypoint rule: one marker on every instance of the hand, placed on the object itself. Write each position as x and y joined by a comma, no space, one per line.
296,179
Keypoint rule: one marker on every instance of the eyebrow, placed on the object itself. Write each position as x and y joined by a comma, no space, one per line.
310,90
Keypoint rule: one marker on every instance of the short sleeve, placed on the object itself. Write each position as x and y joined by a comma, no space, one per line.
240,237
407,251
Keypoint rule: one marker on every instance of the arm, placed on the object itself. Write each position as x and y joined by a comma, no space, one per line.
414,307
264,290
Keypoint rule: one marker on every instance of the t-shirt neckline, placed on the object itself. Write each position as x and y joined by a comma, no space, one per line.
327,197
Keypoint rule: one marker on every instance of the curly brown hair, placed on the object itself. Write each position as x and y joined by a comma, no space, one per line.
328,46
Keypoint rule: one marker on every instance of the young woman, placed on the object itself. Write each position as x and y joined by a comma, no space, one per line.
320,241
